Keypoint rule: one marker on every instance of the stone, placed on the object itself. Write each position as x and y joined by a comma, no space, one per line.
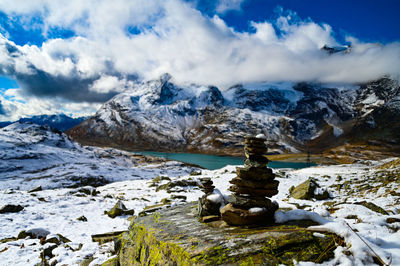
118,210
10,208
372,207
255,150
253,191
309,189
36,189
207,207
82,218
257,174
238,216
106,237
33,233
160,241
210,218
249,202
252,163
272,184
305,190
256,158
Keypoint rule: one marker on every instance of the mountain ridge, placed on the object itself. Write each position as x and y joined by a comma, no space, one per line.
160,115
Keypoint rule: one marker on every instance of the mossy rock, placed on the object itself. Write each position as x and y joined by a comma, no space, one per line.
372,207
174,236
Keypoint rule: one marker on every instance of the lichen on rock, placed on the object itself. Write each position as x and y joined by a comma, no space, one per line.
174,236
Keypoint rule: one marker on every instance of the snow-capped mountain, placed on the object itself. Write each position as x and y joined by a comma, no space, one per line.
60,121
160,115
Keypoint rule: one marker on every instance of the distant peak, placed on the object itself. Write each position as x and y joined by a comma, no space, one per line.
165,77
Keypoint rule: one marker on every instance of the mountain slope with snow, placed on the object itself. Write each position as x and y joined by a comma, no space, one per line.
160,115
33,155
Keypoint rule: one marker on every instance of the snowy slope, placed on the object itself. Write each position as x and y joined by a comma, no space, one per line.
160,115
33,155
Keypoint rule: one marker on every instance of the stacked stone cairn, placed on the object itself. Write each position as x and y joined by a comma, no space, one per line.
207,207
252,187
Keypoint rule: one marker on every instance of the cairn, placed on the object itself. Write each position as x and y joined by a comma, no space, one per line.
207,207
252,187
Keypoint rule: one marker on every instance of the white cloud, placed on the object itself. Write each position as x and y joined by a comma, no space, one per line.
17,105
178,39
226,5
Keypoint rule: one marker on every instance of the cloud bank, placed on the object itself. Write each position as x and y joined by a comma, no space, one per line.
117,42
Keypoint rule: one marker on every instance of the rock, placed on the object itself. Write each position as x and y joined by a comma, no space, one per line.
253,163
209,218
372,207
272,184
118,210
47,252
55,239
86,261
10,208
207,207
87,190
238,216
309,189
106,237
305,190
161,242
151,209
82,218
258,192
391,220
33,233
247,203
114,261
36,189
177,183
254,173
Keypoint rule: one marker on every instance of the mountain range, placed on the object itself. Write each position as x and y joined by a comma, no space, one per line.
61,122
163,116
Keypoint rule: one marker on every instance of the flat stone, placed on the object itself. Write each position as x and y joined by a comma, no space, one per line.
253,191
254,150
249,202
269,184
237,216
36,189
106,237
175,236
257,164
210,218
254,173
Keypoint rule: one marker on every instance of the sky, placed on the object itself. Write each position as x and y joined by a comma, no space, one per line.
70,56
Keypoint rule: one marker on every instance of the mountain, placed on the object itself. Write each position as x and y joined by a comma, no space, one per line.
60,121
160,115
33,155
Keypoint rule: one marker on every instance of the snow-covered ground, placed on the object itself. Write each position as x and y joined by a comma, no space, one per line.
57,207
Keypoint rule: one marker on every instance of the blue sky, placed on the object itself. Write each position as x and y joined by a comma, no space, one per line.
75,55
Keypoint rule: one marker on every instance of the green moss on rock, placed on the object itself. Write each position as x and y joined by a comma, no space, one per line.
176,237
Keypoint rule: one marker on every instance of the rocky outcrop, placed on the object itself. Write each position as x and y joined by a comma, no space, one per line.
174,236
309,189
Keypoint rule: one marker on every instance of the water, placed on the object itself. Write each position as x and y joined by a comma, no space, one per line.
213,162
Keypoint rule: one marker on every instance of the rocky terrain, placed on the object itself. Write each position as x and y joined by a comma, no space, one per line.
63,203
160,115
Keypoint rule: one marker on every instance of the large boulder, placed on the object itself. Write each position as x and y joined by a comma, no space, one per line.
308,190
174,236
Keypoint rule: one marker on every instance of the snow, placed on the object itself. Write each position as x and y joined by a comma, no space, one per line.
256,210
55,209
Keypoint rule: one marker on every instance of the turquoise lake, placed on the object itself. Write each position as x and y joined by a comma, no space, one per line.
213,162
